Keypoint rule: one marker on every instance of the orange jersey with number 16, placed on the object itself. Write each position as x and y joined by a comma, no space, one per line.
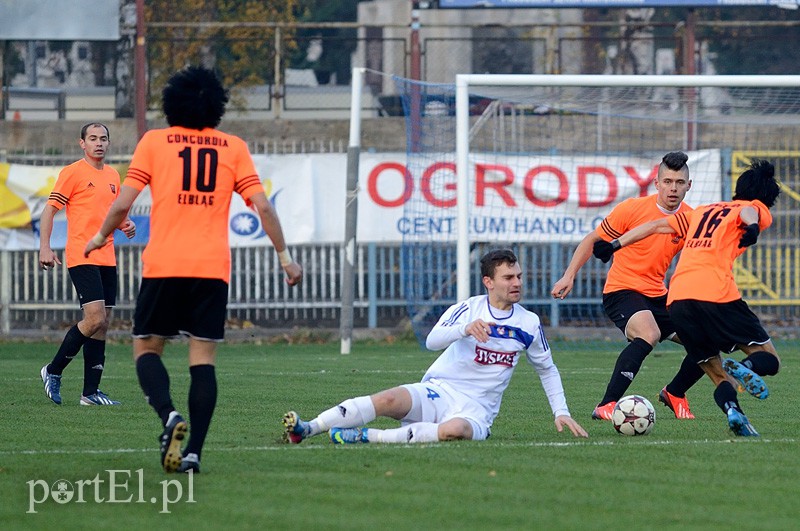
192,175
705,268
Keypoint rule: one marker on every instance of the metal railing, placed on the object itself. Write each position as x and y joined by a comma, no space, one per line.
34,299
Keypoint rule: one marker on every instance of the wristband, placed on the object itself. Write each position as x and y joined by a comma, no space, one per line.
615,245
285,257
98,239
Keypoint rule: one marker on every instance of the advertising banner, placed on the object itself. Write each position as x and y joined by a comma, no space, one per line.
512,198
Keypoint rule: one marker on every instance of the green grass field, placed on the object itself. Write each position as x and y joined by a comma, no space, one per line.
686,474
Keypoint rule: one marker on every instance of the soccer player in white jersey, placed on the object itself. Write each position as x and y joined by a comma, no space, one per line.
460,394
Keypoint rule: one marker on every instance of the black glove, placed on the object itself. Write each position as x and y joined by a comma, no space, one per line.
603,249
750,235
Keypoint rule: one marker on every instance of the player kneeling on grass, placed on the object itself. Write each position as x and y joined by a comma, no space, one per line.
460,394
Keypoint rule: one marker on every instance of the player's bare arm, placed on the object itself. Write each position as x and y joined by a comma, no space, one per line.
116,215
47,257
272,226
658,226
604,250
583,252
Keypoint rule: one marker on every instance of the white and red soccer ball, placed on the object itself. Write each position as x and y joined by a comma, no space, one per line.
633,415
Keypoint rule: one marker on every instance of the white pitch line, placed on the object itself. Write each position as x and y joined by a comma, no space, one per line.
413,373
531,444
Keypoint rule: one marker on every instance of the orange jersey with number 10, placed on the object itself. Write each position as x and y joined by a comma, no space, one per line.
705,268
641,266
192,176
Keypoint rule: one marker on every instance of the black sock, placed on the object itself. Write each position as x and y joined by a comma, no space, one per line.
725,397
94,357
73,341
762,363
202,400
628,364
688,375
154,381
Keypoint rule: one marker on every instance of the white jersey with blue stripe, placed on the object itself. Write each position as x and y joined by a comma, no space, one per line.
483,371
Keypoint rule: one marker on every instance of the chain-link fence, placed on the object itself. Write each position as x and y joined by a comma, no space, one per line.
302,71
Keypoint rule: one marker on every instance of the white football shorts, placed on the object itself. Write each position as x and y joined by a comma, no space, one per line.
435,401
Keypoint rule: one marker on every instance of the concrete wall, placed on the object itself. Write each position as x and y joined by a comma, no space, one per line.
61,136
535,133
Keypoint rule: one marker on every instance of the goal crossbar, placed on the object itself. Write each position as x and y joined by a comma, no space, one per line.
462,112
602,80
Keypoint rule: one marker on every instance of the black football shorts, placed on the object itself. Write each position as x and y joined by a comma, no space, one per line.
169,307
95,283
621,305
708,328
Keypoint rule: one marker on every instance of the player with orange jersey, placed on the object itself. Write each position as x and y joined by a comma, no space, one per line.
192,170
86,188
634,295
704,302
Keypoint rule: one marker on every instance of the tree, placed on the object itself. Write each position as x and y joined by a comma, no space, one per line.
242,55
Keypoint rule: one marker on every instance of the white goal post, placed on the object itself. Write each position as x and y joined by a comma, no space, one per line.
466,87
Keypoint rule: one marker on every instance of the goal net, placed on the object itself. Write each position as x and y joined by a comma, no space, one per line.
534,163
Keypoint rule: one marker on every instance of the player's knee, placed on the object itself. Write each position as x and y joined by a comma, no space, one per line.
651,337
764,362
776,361
643,326
384,402
774,353
95,324
394,403
454,430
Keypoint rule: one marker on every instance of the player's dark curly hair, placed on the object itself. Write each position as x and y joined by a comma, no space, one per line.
194,98
675,160
492,259
758,182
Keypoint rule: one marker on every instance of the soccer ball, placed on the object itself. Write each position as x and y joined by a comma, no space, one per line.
633,415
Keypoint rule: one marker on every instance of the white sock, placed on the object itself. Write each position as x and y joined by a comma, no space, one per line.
351,413
419,432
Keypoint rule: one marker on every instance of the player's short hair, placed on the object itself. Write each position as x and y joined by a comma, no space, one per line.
492,259
675,161
758,182
94,124
194,98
